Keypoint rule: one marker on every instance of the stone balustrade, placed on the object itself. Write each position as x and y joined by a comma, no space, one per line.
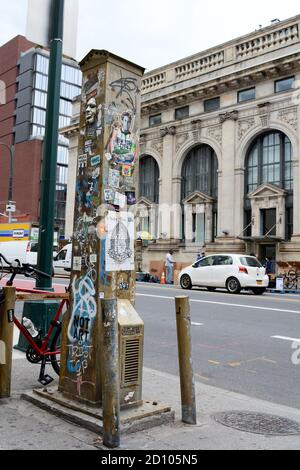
266,42
253,45
153,81
199,66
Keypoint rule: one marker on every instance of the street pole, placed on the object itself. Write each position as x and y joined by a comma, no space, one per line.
48,184
10,180
7,307
187,383
111,381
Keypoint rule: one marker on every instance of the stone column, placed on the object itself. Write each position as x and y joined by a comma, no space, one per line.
103,236
188,229
296,201
238,209
208,222
168,134
227,195
176,208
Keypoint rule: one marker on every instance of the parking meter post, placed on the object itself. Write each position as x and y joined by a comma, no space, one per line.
7,305
187,384
110,371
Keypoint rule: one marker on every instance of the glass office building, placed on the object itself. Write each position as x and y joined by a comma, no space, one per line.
31,112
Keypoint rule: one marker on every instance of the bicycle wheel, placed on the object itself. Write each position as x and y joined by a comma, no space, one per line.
56,346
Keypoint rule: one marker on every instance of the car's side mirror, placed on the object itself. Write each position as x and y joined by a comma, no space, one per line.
195,266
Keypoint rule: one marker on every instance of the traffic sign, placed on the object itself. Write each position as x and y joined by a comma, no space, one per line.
39,20
10,208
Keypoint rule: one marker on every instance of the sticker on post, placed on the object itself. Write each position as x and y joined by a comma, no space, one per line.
95,160
119,247
77,263
120,200
93,258
114,178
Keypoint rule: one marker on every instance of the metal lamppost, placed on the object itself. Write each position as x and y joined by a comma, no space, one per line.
48,184
10,181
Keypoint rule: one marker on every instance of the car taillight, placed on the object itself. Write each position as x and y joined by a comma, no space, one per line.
242,269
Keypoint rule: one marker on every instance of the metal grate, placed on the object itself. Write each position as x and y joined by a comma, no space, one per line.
258,423
131,369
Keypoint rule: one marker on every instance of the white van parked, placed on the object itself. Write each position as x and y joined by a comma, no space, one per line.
24,251
62,260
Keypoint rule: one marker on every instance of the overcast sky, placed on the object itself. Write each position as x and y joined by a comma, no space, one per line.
153,33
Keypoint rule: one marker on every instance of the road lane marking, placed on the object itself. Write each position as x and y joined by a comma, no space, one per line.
196,324
234,364
253,307
287,338
267,296
215,363
201,377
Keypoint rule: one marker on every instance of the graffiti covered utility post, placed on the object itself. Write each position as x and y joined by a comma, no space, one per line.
103,264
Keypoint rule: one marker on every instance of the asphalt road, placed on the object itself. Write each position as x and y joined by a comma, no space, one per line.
233,340
240,342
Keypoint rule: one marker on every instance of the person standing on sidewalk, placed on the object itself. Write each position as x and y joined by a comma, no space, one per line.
169,264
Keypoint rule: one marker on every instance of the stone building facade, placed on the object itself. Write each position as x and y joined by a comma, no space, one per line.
219,151
219,163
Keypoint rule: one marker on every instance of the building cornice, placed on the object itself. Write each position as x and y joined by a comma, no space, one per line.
214,87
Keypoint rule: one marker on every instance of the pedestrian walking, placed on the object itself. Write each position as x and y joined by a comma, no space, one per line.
169,264
268,266
200,256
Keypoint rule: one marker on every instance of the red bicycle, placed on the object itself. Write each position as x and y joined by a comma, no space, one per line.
43,350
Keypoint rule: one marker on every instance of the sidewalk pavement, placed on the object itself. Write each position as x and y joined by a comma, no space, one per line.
23,426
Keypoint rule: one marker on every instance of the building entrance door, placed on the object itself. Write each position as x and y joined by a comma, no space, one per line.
269,251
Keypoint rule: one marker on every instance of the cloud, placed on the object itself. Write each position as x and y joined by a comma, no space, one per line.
155,33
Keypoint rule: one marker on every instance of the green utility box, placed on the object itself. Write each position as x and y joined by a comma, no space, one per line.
41,313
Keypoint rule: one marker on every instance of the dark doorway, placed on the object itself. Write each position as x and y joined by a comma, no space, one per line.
268,251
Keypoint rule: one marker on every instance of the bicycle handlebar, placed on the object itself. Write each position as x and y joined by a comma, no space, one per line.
17,268
29,267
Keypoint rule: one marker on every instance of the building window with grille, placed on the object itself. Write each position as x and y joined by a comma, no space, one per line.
270,161
199,172
149,178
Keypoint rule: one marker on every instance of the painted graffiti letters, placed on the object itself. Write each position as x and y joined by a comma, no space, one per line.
126,87
81,324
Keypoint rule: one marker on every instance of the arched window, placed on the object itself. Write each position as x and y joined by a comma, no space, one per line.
199,172
148,177
270,161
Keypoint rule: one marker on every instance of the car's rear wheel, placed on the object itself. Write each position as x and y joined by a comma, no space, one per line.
259,290
185,282
233,286
211,289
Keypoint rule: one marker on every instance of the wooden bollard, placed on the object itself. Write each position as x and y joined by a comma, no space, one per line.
187,384
7,307
111,380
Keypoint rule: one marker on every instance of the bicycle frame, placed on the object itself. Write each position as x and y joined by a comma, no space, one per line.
43,351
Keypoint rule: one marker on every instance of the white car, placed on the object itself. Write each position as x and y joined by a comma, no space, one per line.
233,271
